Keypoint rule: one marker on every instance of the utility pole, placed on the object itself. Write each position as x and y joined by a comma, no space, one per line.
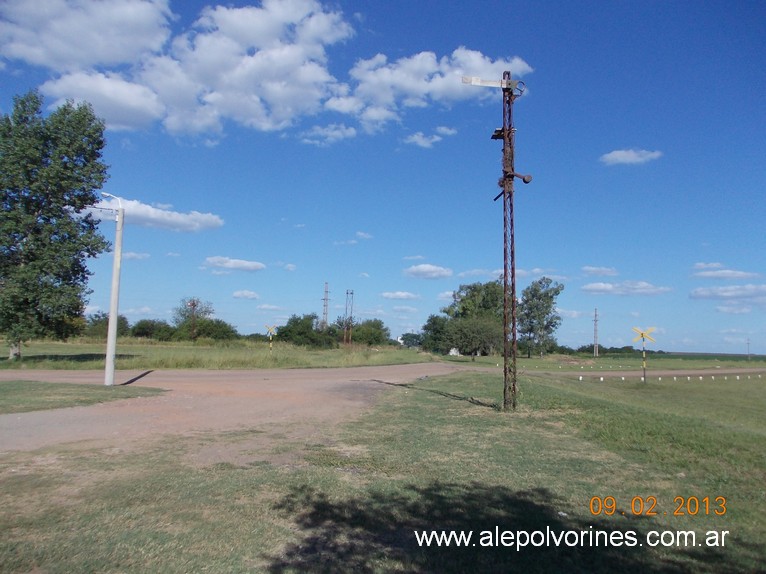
595,334
326,300
348,321
114,302
512,89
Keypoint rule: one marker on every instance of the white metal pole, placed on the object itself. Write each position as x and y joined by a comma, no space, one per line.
111,339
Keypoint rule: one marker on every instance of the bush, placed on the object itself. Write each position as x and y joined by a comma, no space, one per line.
302,331
215,329
152,329
97,326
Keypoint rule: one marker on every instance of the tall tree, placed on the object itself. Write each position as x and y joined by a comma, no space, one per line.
476,335
371,332
537,316
188,314
435,336
304,331
192,308
50,170
477,299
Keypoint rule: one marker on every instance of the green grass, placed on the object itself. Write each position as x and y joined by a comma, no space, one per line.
25,396
434,454
140,354
591,366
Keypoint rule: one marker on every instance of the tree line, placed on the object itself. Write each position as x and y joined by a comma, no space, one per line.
473,323
193,320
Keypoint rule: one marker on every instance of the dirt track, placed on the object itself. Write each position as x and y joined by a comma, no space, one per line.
296,400
200,400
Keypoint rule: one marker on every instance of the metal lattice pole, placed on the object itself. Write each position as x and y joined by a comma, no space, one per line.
509,255
512,89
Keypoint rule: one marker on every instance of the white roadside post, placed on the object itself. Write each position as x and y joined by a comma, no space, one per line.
111,337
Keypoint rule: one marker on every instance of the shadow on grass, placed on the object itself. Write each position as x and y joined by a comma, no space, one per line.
78,358
453,396
376,533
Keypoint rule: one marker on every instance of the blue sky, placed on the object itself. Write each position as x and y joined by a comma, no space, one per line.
263,149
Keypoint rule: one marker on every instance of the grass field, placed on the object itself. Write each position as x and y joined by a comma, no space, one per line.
26,396
434,454
141,354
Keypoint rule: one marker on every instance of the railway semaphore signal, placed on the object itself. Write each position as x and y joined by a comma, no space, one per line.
512,89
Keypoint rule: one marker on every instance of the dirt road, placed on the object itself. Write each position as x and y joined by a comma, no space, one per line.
199,401
299,401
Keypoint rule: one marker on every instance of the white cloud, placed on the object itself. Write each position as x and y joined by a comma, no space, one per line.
266,307
357,236
428,271
413,258
125,105
717,271
725,274
749,291
625,288
445,296
65,35
261,66
629,156
235,264
135,256
137,213
290,267
245,294
734,309
384,88
326,135
421,140
602,271
399,295
445,131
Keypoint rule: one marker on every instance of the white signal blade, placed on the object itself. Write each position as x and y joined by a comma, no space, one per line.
474,81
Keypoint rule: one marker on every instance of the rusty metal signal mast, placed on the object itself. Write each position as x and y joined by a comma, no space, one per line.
512,89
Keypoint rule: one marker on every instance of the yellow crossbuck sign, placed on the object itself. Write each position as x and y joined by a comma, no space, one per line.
643,336
272,332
